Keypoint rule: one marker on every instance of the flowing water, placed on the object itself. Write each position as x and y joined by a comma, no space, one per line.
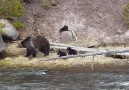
37,79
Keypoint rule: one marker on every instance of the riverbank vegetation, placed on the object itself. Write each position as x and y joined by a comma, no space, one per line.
13,10
1,27
126,14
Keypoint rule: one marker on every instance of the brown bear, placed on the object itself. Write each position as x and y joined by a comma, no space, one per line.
65,28
71,51
33,43
61,53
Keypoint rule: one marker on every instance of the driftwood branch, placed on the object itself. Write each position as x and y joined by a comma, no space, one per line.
89,54
74,35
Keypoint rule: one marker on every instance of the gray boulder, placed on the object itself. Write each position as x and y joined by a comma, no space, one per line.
66,37
9,30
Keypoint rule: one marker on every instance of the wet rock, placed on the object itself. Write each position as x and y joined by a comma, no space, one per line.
9,30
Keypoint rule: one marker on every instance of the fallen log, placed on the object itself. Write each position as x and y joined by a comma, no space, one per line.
118,55
63,45
76,48
89,54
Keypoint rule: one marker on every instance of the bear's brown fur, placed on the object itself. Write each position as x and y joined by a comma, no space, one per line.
39,42
71,51
61,53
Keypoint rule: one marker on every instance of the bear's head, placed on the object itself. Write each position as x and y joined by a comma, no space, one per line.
68,48
25,42
65,28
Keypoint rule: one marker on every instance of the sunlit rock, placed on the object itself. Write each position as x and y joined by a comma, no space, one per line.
9,30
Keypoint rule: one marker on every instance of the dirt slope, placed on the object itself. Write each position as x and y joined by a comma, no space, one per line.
92,20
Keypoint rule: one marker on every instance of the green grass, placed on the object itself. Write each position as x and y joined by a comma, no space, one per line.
18,24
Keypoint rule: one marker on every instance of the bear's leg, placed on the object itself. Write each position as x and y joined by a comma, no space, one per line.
28,53
34,54
48,49
46,53
31,51
44,50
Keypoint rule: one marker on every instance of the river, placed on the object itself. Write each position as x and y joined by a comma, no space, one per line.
38,79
